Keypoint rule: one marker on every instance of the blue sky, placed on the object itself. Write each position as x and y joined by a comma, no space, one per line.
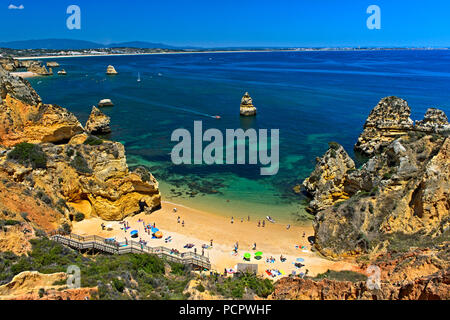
233,23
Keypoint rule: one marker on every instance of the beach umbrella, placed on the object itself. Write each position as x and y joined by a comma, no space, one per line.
300,259
247,256
155,230
158,234
259,253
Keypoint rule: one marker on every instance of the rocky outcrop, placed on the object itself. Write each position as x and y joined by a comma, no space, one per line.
105,103
434,121
81,173
247,107
24,118
32,285
62,72
111,70
414,275
400,192
434,287
326,182
98,122
387,121
52,64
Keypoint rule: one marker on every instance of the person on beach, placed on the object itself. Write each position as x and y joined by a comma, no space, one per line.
178,219
242,220
203,251
182,224
211,242
103,226
232,220
259,224
175,210
288,227
304,234
195,250
248,218
254,246
264,223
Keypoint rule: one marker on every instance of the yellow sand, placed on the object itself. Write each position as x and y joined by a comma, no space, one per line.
200,227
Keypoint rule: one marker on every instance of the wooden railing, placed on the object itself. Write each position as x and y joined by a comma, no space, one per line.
113,247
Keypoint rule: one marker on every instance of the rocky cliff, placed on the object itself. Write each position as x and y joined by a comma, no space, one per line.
46,151
401,192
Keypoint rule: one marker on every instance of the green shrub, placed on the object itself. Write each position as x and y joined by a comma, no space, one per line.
345,275
29,154
79,216
80,164
118,284
334,145
93,141
200,288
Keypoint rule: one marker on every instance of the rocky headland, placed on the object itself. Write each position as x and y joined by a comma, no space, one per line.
45,150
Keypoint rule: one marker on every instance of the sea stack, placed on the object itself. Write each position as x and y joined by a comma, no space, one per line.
98,122
247,107
111,70
52,64
105,103
62,72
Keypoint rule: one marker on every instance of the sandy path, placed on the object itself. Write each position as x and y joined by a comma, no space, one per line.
200,227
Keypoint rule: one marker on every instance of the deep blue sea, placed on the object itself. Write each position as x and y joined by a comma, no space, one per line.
312,97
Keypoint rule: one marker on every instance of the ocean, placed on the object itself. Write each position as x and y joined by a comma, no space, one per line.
311,97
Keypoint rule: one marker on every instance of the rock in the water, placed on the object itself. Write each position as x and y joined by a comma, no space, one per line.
247,107
111,70
62,72
52,64
326,182
387,121
98,122
434,121
105,103
24,118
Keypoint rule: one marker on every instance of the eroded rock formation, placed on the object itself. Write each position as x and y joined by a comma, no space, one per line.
326,182
111,70
82,173
98,122
247,107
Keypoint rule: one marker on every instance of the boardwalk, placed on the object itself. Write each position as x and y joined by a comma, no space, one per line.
106,246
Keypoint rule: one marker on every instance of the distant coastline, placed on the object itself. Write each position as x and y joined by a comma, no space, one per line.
50,56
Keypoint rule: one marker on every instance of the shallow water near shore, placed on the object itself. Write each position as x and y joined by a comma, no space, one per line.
312,97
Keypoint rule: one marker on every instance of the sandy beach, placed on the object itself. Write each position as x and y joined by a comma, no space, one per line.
201,227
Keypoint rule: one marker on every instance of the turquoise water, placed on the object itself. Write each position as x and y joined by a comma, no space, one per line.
312,97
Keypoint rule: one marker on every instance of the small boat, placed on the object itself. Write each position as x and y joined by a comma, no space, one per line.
217,117
270,219
139,77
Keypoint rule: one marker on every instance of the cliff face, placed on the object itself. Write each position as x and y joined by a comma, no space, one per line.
76,173
401,191
415,275
24,118
326,182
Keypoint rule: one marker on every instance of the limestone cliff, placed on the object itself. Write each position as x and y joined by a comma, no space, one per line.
78,174
387,121
24,118
326,182
402,191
